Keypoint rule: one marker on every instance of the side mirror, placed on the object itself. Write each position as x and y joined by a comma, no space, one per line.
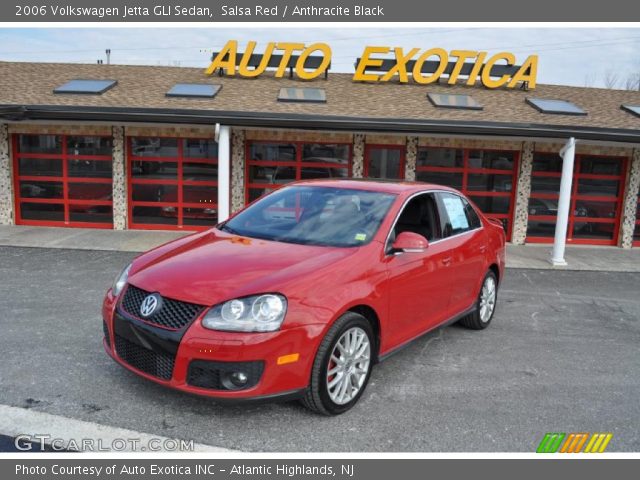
410,242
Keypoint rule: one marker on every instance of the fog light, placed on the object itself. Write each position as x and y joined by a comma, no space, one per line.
234,380
239,379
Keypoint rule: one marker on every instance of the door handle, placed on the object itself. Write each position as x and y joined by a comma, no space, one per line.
446,261
483,248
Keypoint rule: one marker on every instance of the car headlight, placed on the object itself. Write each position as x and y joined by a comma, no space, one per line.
258,313
120,281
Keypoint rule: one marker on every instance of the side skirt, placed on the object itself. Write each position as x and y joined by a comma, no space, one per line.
446,323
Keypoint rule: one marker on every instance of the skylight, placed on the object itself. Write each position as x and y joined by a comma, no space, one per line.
95,87
201,90
450,100
634,109
561,107
295,94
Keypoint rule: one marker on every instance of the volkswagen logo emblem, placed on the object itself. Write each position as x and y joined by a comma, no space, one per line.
150,305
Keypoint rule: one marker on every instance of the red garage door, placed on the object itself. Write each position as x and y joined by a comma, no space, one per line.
596,199
270,165
63,180
488,177
173,183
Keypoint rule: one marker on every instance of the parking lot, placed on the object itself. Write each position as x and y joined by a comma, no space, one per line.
562,355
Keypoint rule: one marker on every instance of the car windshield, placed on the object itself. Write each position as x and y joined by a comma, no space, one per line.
326,216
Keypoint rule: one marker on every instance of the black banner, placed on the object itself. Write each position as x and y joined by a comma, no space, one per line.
286,468
82,11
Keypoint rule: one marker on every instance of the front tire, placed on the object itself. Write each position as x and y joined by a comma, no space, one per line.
485,304
342,366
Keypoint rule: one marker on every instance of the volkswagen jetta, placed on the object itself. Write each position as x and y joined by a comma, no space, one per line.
302,292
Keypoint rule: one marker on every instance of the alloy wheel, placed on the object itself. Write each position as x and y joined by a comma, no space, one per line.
487,299
348,365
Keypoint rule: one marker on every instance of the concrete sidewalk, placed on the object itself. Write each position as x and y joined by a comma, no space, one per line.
587,258
85,238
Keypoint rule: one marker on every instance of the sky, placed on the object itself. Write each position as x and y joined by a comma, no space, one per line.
567,56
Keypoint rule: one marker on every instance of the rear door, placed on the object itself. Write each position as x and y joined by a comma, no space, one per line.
466,244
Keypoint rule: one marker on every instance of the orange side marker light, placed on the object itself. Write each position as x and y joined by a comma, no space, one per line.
292,357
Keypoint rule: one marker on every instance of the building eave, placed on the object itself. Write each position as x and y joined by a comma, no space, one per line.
16,113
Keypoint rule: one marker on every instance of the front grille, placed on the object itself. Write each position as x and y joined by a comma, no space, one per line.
215,375
157,364
173,315
106,333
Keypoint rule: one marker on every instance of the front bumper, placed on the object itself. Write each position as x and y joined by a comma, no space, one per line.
172,353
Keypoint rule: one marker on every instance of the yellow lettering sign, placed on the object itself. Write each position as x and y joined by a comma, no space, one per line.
487,80
527,73
457,66
326,60
454,70
226,59
367,61
443,59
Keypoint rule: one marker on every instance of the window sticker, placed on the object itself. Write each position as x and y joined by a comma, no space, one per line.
455,209
361,237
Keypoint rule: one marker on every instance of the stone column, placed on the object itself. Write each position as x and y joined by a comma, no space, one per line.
6,179
412,156
357,160
630,202
120,197
523,191
237,169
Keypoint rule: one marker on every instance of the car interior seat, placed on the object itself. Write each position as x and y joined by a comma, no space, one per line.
415,218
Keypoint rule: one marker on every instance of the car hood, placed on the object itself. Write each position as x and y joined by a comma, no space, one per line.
214,266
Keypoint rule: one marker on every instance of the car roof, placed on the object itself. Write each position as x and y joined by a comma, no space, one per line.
375,185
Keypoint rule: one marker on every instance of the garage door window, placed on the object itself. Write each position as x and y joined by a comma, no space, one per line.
63,180
596,199
384,161
270,165
173,183
486,176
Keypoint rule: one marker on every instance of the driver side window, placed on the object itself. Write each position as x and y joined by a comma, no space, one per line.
419,216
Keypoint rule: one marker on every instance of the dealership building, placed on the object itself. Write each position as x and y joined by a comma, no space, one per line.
154,147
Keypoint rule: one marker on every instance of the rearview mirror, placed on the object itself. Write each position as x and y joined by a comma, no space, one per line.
410,242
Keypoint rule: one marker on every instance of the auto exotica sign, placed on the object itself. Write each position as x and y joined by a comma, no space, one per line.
380,64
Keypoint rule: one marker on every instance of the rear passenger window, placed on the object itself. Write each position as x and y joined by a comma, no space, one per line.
472,215
460,216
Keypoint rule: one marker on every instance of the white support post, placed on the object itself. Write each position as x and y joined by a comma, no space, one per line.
223,137
564,203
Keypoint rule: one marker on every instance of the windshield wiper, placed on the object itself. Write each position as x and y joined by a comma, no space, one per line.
225,228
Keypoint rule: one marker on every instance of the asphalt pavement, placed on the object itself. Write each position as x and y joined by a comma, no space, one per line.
560,356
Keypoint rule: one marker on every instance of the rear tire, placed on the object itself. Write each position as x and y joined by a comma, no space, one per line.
485,304
342,366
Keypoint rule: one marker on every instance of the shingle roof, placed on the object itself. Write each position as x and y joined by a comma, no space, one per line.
145,87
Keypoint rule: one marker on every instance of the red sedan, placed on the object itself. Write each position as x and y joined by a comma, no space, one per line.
302,292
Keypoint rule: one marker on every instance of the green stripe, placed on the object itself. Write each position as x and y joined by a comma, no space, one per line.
557,444
550,443
543,443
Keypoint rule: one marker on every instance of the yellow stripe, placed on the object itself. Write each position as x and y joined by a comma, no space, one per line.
607,439
596,445
567,442
583,439
590,444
